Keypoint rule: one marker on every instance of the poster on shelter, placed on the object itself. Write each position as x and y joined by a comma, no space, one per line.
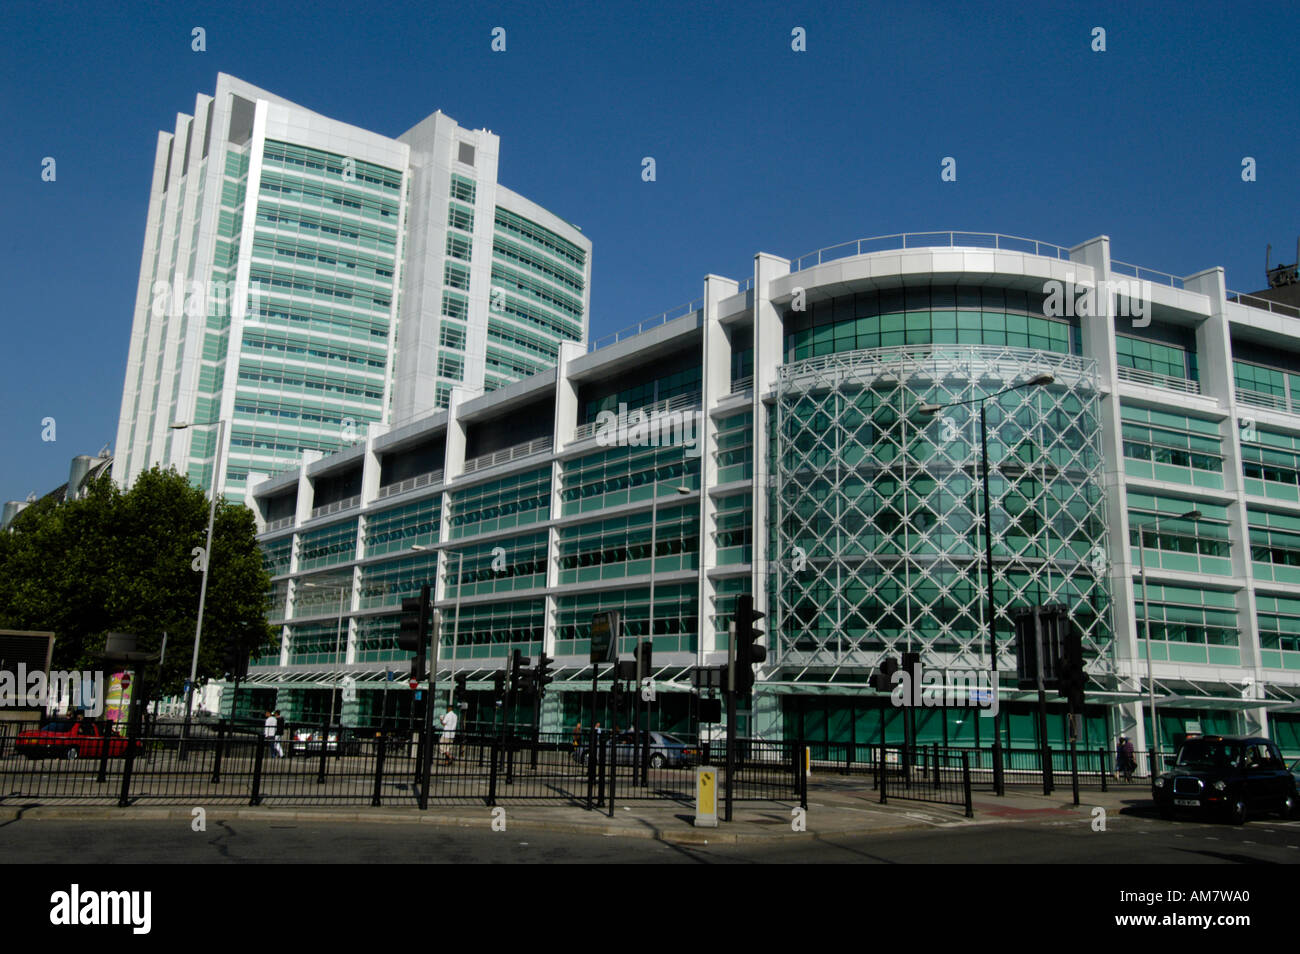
118,702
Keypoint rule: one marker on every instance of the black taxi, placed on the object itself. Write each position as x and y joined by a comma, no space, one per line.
1230,778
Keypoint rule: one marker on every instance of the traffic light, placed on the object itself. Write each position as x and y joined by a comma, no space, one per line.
748,652
518,663
1053,626
462,681
542,675
413,631
499,684
234,661
883,678
1073,677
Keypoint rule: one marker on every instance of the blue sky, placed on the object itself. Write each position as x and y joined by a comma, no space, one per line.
758,148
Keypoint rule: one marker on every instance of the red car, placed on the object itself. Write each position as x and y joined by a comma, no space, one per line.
70,740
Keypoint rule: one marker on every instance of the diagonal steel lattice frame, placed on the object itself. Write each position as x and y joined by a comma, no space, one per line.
876,542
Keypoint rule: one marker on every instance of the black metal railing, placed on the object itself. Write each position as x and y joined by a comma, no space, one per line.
324,765
926,773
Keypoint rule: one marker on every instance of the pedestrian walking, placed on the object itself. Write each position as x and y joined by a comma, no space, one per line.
271,729
449,722
1125,763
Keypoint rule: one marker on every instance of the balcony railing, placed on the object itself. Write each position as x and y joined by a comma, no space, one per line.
1275,402
347,503
410,483
741,385
540,445
1266,304
1155,380
904,240
681,402
273,525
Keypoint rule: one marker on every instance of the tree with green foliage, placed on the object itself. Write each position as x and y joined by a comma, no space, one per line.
125,561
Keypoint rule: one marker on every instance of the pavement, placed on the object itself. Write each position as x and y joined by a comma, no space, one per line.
838,806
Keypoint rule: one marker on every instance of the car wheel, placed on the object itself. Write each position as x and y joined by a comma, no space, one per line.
1237,811
71,754
1288,809
657,760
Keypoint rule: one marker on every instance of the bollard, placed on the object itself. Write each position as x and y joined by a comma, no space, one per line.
103,755
492,776
216,759
1074,771
965,781
379,773
706,797
256,797
324,751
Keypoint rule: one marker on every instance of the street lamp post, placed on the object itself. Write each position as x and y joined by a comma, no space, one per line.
207,562
654,530
455,626
1192,515
930,409
338,636
643,749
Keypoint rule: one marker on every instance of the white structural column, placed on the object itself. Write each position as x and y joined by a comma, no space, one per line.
1214,363
716,386
129,448
1093,257
768,357
566,425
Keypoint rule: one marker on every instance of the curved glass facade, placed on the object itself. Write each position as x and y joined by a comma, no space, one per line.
928,314
877,506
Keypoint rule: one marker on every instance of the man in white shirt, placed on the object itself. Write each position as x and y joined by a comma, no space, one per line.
271,727
449,722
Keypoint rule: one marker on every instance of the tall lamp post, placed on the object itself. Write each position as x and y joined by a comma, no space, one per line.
207,562
455,626
338,633
1192,515
930,409
654,542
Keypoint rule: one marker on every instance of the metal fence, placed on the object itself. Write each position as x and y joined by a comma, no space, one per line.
1094,766
315,765
926,774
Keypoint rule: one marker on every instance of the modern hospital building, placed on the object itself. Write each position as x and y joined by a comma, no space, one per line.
810,434
401,385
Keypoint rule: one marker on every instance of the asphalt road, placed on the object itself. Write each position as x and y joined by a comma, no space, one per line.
1127,840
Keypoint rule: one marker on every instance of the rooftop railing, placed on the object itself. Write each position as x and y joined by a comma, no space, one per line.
1267,304
662,318
904,240
1146,274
